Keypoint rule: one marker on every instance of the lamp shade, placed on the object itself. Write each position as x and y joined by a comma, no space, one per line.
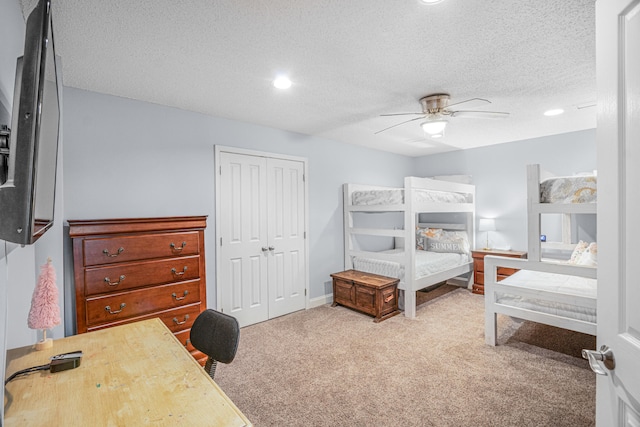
434,127
487,224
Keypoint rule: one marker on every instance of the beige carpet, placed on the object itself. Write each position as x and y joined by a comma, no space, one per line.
334,366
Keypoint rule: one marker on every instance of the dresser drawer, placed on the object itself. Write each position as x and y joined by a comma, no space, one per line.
504,271
176,319
116,278
478,265
180,319
110,250
185,340
114,307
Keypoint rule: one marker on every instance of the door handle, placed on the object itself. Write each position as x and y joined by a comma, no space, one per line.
605,355
264,249
271,248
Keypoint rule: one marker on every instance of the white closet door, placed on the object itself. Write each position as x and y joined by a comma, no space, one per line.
242,275
261,223
286,217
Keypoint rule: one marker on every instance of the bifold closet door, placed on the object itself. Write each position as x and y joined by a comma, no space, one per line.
286,260
243,246
262,271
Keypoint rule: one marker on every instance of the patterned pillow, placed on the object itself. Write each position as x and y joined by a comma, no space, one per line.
589,256
451,245
577,252
423,233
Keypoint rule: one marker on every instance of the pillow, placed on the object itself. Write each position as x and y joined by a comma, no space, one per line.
423,233
577,252
589,256
451,245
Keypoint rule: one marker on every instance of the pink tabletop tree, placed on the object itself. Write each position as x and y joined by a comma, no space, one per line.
45,311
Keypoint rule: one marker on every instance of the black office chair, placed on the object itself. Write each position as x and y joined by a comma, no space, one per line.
216,335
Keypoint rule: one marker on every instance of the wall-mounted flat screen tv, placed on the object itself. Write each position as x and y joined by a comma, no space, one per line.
27,195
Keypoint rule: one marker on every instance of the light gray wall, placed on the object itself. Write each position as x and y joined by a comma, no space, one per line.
500,176
125,158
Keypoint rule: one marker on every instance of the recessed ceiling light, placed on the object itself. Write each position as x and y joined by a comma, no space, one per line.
430,1
282,82
554,112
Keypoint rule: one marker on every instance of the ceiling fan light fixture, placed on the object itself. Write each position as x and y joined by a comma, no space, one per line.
282,82
434,127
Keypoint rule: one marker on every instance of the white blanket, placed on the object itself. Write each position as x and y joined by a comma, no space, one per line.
427,263
551,282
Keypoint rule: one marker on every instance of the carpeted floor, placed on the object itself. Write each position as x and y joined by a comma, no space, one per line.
332,366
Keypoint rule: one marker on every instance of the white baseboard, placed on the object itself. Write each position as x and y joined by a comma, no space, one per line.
322,300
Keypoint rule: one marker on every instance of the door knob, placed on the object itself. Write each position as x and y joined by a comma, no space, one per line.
264,249
271,248
605,355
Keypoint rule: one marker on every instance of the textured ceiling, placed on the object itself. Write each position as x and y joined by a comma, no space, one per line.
349,61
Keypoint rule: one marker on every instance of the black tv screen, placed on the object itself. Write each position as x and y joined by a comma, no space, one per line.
27,195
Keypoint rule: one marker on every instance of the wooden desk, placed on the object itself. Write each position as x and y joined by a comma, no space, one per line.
130,375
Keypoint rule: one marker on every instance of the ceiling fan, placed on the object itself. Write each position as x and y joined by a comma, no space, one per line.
435,109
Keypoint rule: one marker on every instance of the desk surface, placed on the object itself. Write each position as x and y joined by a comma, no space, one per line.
134,374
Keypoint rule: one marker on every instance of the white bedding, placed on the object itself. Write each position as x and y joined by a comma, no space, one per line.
569,189
426,263
559,283
396,196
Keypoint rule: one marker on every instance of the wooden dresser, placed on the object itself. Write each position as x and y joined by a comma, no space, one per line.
370,293
127,270
478,266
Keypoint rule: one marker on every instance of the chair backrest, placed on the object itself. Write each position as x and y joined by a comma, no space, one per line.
216,335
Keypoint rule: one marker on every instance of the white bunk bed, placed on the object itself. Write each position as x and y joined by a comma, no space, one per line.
416,269
549,292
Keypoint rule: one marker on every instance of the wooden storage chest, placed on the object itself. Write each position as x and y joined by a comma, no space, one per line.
370,293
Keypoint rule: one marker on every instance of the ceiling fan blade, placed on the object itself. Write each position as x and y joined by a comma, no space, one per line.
486,101
480,114
586,105
400,114
398,124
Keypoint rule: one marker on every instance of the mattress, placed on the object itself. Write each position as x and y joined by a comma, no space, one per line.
551,282
569,189
396,197
427,263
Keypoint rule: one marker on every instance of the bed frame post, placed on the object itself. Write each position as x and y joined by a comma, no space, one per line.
347,224
533,211
490,315
410,250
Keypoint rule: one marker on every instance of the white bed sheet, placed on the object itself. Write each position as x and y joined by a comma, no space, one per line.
427,263
569,189
396,197
559,283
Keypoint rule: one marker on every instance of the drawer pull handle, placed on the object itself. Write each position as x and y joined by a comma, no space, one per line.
177,298
122,306
389,298
110,283
106,252
187,342
173,246
179,273
175,320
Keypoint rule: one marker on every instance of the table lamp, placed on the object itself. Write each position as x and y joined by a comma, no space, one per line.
487,224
